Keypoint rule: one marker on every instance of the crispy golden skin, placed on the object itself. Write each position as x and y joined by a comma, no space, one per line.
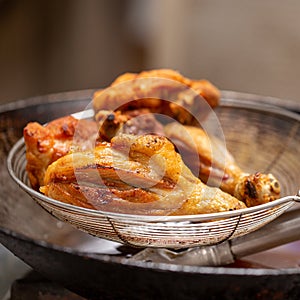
45,144
137,122
217,164
161,91
136,175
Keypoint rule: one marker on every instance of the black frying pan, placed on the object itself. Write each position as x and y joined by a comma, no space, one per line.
96,268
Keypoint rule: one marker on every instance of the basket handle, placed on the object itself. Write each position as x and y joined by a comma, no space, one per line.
283,230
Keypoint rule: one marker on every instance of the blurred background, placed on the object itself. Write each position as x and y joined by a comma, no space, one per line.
50,46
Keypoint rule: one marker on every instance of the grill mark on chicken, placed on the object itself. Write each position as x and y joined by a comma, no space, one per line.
109,177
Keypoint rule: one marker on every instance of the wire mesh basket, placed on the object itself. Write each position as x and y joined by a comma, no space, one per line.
271,132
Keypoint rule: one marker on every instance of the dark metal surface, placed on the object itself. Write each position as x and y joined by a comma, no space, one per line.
101,276
95,268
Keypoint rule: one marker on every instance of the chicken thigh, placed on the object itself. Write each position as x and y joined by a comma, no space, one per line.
136,175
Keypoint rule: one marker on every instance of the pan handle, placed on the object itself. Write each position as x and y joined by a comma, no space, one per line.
283,230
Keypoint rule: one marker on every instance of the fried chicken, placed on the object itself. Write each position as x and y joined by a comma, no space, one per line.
136,175
45,144
216,164
161,91
137,170
137,122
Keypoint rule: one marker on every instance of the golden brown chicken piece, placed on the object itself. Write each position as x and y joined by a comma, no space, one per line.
137,122
45,144
161,91
136,175
216,164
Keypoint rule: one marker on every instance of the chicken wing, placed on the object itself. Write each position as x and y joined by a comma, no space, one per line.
45,144
161,91
215,163
136,175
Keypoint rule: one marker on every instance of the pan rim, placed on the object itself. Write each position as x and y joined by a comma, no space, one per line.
165,267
